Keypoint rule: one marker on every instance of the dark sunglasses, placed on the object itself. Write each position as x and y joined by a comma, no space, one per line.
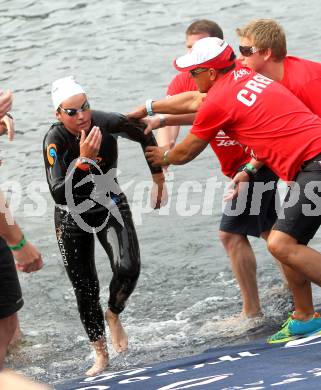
74,111
195,72
247,51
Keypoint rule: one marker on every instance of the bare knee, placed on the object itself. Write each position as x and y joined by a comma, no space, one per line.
230,240
281,245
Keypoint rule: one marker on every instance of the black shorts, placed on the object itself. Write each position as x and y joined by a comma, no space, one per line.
10,292
254,211
300,215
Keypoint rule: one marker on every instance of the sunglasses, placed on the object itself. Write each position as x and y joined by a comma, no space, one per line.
74,111
195,72
247,51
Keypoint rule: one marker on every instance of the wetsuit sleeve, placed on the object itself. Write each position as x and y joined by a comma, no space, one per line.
54,152
134,130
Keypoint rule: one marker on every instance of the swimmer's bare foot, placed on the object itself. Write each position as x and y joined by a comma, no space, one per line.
101,360
119,337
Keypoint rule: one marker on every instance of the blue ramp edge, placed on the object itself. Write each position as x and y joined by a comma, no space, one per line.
253,366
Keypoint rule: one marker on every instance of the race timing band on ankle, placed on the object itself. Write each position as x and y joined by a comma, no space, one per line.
149,108
18,246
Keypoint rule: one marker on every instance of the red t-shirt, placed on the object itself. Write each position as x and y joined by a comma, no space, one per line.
303,78
273,124
182,82
229,153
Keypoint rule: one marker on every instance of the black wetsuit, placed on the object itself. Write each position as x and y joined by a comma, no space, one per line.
118,238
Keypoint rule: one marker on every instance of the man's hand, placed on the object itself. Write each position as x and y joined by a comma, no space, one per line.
155,155
28,258
138,112
159,196
7,126
90,145
5,102
151,123
236,185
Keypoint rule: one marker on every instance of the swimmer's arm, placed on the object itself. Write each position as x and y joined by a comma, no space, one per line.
56,170
134,130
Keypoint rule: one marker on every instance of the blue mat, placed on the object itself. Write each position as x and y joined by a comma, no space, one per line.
295,365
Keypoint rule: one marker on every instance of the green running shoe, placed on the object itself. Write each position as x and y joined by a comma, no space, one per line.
293,329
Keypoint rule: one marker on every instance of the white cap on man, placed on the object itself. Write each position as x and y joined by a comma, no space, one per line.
209,52
63,89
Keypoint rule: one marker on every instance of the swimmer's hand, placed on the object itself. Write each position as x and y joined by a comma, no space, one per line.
90,144
159,196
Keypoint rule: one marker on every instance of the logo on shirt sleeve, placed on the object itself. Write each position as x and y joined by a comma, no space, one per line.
52,154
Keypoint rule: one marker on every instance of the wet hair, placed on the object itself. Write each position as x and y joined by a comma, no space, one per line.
204,26
266,34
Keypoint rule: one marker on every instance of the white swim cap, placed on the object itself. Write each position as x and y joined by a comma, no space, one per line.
63,89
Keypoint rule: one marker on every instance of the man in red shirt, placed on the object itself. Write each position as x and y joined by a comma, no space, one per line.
278,130
234,229
263,49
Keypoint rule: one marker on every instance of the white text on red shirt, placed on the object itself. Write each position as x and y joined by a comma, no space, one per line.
257,84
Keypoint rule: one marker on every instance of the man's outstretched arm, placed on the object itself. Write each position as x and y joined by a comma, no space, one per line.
184,152
183,103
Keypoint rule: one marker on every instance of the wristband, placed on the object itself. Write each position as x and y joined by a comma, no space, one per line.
8,115
149,108
251,168
162,120
18,246
165,157
248,171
